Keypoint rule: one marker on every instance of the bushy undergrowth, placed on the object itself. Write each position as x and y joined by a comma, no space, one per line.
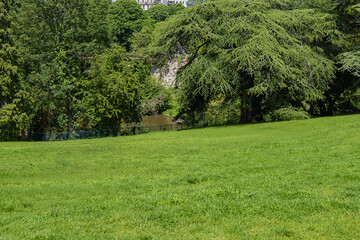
289,113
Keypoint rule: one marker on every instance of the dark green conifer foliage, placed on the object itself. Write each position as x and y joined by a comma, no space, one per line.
246,50
343,94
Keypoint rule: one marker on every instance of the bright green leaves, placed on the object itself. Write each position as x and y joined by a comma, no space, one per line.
8,57
141,39
113,94
350,61
160,12
12,120
310,26
57,40
125,17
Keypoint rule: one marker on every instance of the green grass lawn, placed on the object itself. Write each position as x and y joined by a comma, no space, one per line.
284,180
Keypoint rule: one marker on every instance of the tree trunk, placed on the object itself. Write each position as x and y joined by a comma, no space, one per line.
332,101
69,122
246,109
46,120
246,99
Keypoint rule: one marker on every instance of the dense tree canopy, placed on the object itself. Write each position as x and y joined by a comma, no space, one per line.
57,39
250,51
12,119
87,64
114,92
8,57
160,12
125,17
342,95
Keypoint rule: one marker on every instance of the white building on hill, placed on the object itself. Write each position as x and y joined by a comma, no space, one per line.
146,4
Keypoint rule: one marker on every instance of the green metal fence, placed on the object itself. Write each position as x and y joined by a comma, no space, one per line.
188,123
124,131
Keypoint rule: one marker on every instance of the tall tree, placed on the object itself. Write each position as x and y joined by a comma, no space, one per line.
160,12
114,92
243,50
124,18
57,39
12,119
8,57
339,97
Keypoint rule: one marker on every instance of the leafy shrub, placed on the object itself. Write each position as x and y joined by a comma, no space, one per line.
289,113
157,98
145,130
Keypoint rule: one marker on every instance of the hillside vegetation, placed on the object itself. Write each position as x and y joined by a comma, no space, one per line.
296,180
80,65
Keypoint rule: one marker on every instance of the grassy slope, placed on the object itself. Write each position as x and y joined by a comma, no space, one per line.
298,179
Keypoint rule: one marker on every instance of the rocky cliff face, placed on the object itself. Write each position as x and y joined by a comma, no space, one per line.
167,75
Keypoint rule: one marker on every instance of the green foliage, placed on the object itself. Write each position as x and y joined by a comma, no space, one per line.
355,100
294,4
158,12
141,39
156,98
65,25
113,93
246,50
8,57
161,12
145,130
338,98
13,120
323,33
174,106
289,113
97,28
349,70
348,6
125,17
350,61
247,57
57,40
